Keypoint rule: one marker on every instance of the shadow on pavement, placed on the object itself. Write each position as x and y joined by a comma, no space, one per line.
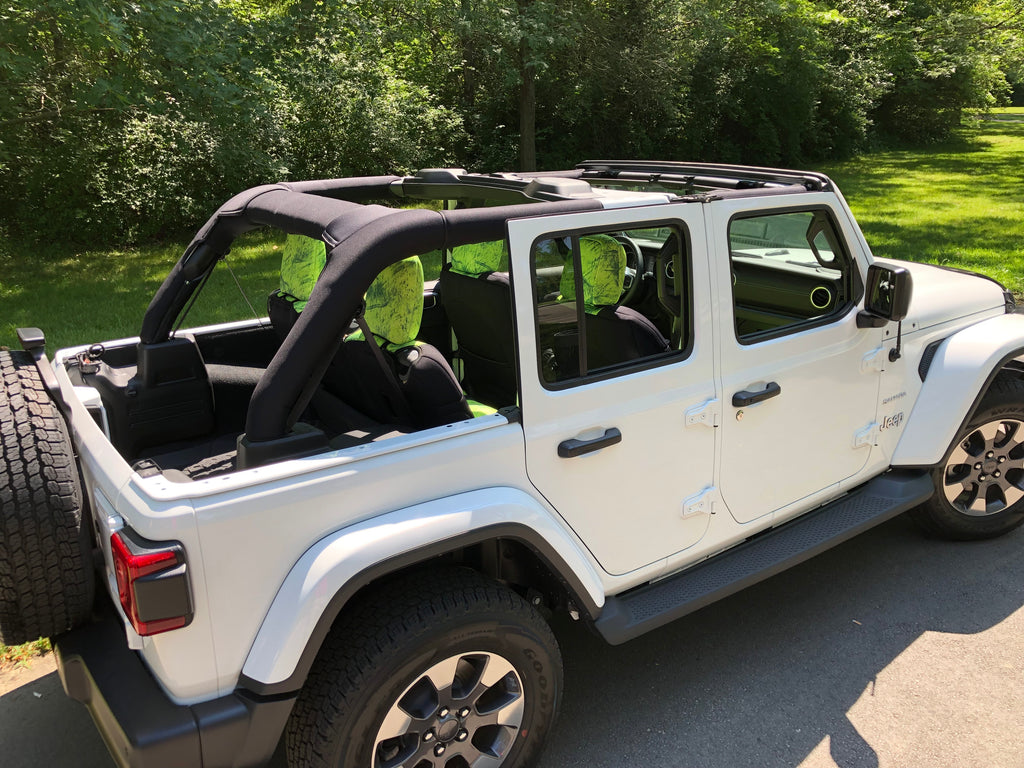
760,679
40,726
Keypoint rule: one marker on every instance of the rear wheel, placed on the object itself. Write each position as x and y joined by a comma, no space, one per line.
445,669
979,489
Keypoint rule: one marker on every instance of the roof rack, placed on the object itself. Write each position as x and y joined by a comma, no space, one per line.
702,175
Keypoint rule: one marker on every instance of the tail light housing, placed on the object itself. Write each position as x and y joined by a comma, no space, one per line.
152,582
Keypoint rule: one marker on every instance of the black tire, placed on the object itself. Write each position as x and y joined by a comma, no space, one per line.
46,577
377,658
979,486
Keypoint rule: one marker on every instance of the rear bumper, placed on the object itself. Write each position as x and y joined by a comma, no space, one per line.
142,727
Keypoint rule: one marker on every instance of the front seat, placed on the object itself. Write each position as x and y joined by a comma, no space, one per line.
615,334
477,298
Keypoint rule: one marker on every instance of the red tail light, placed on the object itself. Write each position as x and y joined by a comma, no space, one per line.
152,582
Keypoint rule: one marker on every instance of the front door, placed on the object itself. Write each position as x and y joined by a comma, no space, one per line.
799,385
614,378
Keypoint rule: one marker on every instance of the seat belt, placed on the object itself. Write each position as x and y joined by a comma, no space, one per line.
397,395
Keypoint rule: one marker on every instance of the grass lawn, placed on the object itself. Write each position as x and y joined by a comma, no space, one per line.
958,204
80,296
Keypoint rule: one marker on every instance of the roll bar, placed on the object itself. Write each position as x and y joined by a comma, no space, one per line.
361,240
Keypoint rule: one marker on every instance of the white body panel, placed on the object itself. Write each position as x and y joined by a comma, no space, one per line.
961,366
244,532
326,567
252,538
942,295
901,382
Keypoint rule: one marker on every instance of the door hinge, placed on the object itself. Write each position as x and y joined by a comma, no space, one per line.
705,414
867,436
874,361
701,504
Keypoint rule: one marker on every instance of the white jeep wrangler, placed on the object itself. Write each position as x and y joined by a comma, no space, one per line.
635,388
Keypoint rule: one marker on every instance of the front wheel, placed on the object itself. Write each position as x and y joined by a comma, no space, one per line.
979,489
441,670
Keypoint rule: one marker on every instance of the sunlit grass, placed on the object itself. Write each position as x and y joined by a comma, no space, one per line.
959,204
81,296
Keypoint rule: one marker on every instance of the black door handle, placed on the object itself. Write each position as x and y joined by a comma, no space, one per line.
567,449
746,397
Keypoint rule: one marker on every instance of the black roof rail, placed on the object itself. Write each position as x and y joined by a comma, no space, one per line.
711,175
509,188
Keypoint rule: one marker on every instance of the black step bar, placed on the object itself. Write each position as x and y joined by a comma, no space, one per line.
631,614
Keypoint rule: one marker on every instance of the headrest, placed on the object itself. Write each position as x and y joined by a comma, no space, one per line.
477,259
604,269
302,261
394,302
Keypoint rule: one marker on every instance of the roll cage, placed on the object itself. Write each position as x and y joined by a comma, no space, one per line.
363,237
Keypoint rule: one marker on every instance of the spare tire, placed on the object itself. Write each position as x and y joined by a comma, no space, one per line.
46,575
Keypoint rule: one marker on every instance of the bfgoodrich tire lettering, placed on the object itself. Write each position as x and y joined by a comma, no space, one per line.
46,578
444,668
979,487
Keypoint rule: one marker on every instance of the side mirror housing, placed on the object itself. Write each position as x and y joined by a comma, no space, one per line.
888,296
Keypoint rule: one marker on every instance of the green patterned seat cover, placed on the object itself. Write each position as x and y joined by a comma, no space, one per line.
302,261
394,305
478,259
604,269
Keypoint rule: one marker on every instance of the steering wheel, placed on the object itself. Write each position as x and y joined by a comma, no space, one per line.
632,282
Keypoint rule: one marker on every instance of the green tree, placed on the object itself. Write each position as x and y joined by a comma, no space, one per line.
130,119
126,119
942,60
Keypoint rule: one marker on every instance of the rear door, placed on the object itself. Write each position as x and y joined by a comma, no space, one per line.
621,443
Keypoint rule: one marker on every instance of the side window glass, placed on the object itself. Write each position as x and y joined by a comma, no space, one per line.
609,301
788,270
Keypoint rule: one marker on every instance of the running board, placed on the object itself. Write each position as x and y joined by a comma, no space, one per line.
645,608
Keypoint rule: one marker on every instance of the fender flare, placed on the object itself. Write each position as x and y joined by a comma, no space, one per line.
960,373
331,571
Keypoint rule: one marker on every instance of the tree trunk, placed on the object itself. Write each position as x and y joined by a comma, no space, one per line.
528,121
527,99
469,58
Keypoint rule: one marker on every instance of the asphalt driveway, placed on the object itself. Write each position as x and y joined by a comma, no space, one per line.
892,650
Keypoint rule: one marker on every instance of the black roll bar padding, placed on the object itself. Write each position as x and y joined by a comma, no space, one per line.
354,189
301,213
210,243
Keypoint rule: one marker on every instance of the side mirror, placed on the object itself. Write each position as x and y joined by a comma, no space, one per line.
888,296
